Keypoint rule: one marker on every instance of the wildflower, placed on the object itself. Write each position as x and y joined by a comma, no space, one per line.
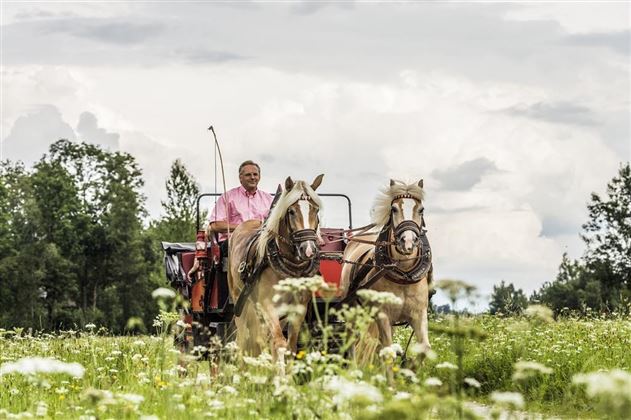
402,395
540,312
615,383
509,399
379,298
258,380
229,390
301,284
527,369
42,409
418,349
390,352
34,365
134,399
455,288
163,293
432,381
446,365
409,375
90,326
345,390
314,357
300,354
472,382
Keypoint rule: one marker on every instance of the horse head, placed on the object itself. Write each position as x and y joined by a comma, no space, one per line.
301,219
399,208
294,219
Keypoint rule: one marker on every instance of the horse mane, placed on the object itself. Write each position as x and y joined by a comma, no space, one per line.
380,212
271,225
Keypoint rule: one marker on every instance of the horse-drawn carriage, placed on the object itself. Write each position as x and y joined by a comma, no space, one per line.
394,257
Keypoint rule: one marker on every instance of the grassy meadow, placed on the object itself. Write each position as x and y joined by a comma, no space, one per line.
482,358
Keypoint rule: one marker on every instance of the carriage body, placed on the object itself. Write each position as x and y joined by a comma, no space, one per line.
209,310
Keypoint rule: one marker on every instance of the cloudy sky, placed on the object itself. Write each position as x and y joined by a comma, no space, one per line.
512,113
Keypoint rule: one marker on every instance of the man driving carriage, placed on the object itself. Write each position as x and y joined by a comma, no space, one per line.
235,206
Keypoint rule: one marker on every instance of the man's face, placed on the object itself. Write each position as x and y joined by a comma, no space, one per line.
249,177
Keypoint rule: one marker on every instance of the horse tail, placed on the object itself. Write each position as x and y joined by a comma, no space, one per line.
367,346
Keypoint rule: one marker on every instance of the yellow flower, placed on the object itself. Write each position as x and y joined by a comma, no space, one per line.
62,397
395,369
300,354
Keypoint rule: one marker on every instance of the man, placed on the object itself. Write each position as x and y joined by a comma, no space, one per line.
245,202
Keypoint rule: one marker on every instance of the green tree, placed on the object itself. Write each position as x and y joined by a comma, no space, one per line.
601,279
507,300
178,222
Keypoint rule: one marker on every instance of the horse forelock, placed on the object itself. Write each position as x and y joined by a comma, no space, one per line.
380,213
271,226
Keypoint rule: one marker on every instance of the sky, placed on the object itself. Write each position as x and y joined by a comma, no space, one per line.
511,113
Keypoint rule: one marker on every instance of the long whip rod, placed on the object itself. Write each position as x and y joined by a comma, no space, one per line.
223,175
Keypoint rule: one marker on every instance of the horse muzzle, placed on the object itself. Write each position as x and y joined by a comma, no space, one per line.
407,237
305,243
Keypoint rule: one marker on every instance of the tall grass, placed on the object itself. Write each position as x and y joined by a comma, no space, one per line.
146,377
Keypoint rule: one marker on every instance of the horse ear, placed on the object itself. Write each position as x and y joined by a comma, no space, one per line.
289,184
420,183
392,182
316,182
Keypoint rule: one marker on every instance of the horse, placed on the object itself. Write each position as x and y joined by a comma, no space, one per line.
393,257
285,245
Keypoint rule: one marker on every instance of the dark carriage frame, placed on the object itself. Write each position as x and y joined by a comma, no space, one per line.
217,310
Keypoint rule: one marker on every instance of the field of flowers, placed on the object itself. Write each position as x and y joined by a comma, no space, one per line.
567,367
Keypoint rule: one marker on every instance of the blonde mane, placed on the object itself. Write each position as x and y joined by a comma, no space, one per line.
380,212
271,225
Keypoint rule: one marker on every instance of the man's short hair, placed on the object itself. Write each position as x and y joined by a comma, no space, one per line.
249,162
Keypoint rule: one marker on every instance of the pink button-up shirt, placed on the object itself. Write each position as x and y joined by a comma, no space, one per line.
242,206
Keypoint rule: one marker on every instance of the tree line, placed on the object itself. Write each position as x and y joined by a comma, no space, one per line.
598,281
76,245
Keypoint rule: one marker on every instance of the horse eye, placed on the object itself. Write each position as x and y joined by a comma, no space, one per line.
292,212
420,211
395,209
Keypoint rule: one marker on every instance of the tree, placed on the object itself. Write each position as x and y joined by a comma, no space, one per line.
608,234
178,222
507,300
601,279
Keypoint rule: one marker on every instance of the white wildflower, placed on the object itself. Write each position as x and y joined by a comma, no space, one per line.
431,381
90,326
134,399
614,383
163,293
34,365
379,379
527,369
402,395
379,298
227,389
409,375
472,382
344,390
540,312
301,284
314,357
258,379
509,399
446,365
391,351
42,409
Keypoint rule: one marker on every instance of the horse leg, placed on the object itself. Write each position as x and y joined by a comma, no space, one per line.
293,331
385,334
419,324
278,340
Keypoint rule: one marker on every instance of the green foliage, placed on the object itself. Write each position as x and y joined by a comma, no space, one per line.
73,248
601,280
507,300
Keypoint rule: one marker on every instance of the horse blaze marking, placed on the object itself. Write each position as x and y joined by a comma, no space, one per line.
407,207
304,210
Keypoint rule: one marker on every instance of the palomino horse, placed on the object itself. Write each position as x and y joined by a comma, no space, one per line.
395,259
284,246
